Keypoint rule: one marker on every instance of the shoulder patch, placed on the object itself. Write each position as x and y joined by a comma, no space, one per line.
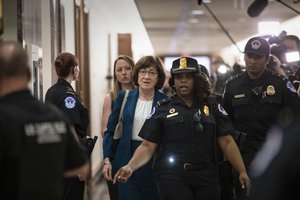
163,101
70,102
221,110
280,76
291,87
152,113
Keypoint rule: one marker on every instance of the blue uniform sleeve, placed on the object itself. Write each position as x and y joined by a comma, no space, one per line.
291,99
111,125
226,101
70,106
153,127
224,125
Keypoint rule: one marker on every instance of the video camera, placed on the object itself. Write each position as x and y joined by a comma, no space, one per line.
280,51
290,61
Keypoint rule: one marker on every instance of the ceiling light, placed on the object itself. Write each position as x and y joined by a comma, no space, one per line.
268,28
292,56
206,1
222,69
193,20
197,12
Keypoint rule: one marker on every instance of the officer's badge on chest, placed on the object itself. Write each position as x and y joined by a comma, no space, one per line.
270,90
206,110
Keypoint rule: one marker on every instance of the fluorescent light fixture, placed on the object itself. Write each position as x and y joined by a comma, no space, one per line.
292,56
269,28
197,12
193,20
206,1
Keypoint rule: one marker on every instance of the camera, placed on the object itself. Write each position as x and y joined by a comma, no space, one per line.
289,58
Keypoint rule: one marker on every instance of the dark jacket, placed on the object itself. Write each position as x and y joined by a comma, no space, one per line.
123,152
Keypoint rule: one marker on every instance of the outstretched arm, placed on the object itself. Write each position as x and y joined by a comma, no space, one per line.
232,153
140,157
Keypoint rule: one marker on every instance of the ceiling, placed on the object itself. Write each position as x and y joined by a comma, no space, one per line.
168,23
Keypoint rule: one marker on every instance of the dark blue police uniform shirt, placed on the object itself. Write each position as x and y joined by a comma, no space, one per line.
172,126
36,147
62,95
255,113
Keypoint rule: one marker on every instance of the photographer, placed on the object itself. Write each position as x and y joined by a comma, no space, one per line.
285,57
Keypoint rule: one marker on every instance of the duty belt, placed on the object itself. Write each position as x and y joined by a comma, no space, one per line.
161,165
189,166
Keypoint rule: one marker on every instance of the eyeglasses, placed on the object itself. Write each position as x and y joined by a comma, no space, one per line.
144,72
197,118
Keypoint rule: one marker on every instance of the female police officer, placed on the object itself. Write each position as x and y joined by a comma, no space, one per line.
183,130
65,98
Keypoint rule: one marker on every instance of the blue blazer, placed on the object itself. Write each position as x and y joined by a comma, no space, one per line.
123,153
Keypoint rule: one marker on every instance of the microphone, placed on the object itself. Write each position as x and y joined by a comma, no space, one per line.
257,7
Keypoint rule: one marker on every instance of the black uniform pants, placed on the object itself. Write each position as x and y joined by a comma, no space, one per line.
249,152
113,190
73,189
178,184
226,181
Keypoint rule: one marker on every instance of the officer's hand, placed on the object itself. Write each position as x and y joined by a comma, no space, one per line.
298,90
81,177
277,65
106,171
123,174
245,181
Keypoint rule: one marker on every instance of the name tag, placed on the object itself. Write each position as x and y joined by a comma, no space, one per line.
237,96
172,115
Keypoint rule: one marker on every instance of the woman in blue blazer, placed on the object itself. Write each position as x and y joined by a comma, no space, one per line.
149,76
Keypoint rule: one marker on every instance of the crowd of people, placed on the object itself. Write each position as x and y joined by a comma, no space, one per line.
155,145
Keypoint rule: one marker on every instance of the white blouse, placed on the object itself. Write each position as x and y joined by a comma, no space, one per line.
142,110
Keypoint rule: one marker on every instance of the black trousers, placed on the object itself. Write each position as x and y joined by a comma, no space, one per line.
113,190
178,184
73,189
226,181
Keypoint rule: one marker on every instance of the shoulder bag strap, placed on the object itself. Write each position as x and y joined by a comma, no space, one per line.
123,105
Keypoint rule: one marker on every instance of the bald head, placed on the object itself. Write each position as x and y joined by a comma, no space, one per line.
13,60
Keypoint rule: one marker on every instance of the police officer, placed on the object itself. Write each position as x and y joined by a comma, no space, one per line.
184,130
37,144
65,98
256,99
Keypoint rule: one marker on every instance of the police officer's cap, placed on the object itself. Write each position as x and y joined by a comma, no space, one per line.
184,65
258,46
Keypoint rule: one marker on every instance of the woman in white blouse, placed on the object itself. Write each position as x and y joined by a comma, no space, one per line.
148,76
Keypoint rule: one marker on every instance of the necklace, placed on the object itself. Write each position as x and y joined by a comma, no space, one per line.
146,98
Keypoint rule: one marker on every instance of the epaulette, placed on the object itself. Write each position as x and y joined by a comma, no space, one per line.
280,76
234,77
70,91
163,101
